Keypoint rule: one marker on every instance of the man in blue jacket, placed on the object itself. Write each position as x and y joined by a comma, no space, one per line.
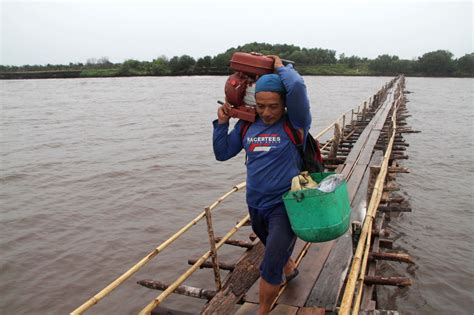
272,161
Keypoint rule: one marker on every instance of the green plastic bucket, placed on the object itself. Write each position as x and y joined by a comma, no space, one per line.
317,216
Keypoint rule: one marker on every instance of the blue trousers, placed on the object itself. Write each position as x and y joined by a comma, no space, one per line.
274,230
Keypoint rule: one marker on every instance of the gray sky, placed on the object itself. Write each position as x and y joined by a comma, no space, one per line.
59,32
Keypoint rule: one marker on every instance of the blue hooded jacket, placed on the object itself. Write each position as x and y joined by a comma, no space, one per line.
272,159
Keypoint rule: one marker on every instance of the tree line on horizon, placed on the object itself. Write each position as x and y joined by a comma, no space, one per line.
307,61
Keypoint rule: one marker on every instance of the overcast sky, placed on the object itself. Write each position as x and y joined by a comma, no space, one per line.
59,32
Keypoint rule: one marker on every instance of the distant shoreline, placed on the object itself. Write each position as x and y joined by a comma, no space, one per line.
114,73
308,61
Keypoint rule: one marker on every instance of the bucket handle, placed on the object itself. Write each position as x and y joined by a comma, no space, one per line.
299,196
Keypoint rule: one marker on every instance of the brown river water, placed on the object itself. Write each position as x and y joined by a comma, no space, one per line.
95,173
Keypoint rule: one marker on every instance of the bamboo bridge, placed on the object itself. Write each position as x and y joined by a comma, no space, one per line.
336,277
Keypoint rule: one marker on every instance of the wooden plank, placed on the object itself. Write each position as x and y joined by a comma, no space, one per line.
237,282
252,294
161,310
282,309
359,202
311,311
326,290
355,180
247,309
384,312
297,291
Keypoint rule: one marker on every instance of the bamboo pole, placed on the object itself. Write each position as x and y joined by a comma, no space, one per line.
147,310
212,242
104,292
326,145
324,130
348,296
360,284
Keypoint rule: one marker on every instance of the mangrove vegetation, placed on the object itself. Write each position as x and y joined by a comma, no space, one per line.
308,61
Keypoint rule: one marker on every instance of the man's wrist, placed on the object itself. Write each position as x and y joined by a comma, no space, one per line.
222,122
217,123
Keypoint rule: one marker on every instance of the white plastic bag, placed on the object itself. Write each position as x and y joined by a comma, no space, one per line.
330,183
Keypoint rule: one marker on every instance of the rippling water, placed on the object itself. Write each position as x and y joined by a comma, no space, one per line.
95,173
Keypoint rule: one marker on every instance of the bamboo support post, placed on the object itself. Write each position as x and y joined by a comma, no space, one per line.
364,111
343,123
147,310
238,243
352,119
212,242
395,281
182,289
396,199
393,257
381,232
393,208
391,186
385,243
335,142
104,292
207,264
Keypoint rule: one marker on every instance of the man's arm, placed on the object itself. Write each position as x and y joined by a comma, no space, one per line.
226,145
297,102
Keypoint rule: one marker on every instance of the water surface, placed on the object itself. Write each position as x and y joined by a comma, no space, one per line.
95,173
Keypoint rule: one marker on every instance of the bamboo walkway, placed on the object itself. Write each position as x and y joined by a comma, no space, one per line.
338,276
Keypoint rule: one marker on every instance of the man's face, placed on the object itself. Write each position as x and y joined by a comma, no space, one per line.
270,107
